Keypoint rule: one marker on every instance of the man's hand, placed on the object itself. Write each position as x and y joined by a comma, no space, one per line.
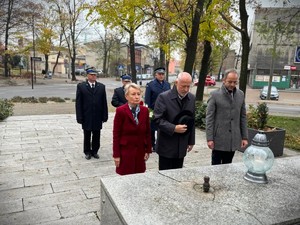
180,128
211,144
190,147
244,143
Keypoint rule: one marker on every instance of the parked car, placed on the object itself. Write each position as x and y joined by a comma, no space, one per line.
99,73
208,81
274,95
48,75
144,76
81,72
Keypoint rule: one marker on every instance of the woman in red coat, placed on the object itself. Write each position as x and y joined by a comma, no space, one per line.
131,133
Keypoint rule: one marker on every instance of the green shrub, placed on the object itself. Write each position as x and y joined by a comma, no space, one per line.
24,100
200,115
30,100
6,109
56,99
43,99
17,99
257,117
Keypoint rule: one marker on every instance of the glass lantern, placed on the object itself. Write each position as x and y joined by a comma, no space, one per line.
258,158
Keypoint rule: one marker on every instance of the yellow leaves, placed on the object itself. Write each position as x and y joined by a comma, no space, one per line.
118,13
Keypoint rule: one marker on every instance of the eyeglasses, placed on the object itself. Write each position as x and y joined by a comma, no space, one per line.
92,74
160,73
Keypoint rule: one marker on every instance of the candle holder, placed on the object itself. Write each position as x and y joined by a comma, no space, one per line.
258,158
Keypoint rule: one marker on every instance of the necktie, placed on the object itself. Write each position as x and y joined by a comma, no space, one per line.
231,94
93,86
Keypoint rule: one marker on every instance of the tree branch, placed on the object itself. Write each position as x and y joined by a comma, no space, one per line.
230,23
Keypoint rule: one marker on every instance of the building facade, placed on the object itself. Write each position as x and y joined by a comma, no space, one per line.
275,41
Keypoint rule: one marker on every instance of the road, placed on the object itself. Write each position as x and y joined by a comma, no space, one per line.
288,104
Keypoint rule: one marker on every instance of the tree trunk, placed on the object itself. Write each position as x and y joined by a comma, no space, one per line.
204,70
220,70
56,62
245,46
191,42
73,68
73,57
132,56
46,62
6,56
162,58
104,66
167,69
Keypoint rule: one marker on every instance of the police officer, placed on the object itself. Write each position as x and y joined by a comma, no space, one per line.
153,89
118,97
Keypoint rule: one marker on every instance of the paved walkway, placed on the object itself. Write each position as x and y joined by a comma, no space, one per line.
45,179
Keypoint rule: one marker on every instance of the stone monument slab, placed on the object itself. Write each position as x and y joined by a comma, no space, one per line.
176,196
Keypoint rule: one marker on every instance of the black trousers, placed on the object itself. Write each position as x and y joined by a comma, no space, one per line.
167,163
87,135
221,157
153,129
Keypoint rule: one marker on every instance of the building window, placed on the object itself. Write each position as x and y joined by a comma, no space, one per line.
263,71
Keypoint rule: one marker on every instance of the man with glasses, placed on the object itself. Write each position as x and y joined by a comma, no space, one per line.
118,97
226,122
91,112
153,89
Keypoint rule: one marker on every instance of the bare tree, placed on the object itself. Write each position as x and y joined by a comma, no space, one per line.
10,20
243,30
70,11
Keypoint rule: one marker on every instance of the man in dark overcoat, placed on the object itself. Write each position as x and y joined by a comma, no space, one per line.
174,115
153,89
118,97
226,120
91,112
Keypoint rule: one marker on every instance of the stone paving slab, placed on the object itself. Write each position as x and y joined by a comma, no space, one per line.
45,179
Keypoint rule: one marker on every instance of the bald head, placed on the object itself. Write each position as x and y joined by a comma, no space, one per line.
183,83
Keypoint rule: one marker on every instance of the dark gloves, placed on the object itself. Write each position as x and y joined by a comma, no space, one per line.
79,121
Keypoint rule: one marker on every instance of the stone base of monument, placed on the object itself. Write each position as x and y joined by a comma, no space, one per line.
176,196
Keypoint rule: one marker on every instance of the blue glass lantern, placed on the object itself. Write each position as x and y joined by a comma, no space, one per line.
258,158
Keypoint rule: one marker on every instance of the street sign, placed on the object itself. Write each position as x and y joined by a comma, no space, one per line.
36,58
297,55
290,67
293,68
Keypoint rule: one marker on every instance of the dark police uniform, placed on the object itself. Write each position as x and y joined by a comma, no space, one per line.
118,97
153,89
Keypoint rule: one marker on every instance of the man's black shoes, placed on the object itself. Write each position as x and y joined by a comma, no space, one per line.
88,156
96,156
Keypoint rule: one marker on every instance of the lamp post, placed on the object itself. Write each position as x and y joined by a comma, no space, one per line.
258,158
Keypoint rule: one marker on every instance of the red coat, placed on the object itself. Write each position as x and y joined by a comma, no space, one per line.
131,141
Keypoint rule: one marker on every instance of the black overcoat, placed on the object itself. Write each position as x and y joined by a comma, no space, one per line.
167,107
91,106
118,98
